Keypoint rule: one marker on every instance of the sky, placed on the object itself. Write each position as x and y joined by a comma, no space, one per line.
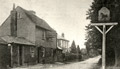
65,16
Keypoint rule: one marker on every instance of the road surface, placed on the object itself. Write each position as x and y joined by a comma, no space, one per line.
87,64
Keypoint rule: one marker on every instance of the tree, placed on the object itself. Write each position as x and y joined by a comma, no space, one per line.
84,53
73,47
112,40
79,55
93,39
78,50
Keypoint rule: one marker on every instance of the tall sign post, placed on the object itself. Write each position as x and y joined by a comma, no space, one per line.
104,17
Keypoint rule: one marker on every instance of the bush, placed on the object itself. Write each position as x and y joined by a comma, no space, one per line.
72,57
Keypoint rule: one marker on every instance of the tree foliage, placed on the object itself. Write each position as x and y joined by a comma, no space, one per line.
73,47
78,49
93,36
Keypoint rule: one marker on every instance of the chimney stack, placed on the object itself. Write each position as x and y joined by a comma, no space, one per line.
63,35
13,6
14,21
31,11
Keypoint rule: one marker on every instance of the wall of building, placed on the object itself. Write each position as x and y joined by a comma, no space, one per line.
49,46
25,28
53,43
30,55
27,56
58,55
15,56
39,36
4,56
5,27
63,44
49,55
45,42
45,55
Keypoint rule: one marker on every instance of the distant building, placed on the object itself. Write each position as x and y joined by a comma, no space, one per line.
62,48
26,39
62,43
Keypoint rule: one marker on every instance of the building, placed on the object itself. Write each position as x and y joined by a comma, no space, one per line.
31,39
62,47
62,43
16,51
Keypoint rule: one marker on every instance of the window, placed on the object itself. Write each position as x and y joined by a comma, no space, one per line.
32,51
52,52
50,39
49,52
19,15
59,43
43,51
44,35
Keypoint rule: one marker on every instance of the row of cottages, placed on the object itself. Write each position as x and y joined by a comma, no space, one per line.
62,47
26,39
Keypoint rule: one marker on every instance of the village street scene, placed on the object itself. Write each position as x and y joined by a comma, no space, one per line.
59,34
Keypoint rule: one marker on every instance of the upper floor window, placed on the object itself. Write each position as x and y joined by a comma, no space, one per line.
44,35
59,43
19,15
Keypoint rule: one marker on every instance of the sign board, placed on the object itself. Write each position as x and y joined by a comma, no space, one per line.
104,14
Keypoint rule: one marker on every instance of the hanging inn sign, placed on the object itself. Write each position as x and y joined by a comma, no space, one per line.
104,20
104,14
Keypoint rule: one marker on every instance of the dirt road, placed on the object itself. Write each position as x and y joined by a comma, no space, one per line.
87,64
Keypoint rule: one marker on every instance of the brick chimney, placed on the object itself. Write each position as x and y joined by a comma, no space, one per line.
33,12
13,22
63,35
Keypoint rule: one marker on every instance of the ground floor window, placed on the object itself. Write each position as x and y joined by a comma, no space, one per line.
32,50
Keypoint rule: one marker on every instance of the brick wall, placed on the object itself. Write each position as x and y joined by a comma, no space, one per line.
4,56
30,54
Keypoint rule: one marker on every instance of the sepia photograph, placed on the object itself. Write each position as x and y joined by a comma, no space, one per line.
59,34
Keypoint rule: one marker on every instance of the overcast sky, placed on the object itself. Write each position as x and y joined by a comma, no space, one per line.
65,16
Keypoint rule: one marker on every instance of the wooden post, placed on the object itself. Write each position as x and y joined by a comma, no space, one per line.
104,32
18,56
23,51
11,51
103,47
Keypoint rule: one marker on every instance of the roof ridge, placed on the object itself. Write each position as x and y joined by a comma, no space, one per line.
35,19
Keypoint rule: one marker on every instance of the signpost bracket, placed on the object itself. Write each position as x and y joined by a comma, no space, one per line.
109,29
98,29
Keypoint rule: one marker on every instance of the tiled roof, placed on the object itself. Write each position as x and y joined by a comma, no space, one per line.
17,40
38,21
42,24
28,17
2,41
62,38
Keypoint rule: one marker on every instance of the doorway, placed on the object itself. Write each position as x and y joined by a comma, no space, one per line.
20,55
40,54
